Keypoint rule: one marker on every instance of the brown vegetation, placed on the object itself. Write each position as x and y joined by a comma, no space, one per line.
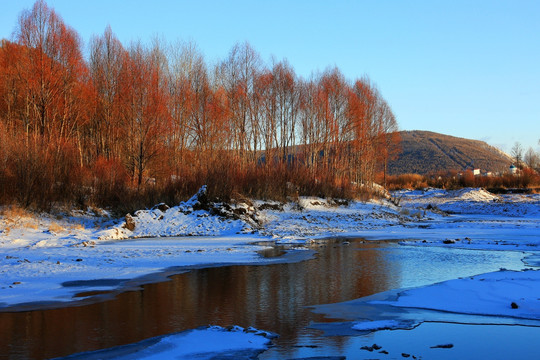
131,127
527,178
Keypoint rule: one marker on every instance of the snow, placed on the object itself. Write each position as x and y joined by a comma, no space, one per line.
43,252
475,195
31,274
490,294
190,344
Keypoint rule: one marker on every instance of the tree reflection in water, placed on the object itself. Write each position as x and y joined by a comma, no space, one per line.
269,297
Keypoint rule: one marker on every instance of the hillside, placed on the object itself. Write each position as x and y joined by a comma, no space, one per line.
425,152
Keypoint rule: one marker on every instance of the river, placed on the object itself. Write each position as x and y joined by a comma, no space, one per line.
270,297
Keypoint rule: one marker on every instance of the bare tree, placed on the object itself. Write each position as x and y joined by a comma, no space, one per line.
147,106
106,65
517,154
237,75
531,159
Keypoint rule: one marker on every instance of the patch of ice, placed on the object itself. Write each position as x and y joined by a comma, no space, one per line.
501,293
203,343
384,325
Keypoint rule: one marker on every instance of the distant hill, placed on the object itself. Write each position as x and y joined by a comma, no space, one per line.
425,152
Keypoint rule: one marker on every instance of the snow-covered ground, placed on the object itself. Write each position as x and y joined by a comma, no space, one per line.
48,258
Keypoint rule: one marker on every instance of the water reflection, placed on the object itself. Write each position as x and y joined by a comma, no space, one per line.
270,297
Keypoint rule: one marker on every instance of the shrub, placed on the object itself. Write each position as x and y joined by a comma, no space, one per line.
406,181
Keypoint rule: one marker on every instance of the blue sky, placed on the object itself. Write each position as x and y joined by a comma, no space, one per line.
464,68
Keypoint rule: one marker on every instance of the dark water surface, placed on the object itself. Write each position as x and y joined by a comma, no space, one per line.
270,297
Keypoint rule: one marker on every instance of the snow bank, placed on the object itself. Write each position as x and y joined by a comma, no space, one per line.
37,274
502,293
471,201
204,343
465,194
308,217
195,217
318,218
470,194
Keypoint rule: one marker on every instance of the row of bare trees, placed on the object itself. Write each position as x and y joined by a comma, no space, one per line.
528,159
158,113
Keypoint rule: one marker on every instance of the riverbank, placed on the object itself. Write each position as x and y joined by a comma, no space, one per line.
45,255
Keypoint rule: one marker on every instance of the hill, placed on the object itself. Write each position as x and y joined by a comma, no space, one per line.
426,152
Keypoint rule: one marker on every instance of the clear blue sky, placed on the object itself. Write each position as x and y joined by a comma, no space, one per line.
467,68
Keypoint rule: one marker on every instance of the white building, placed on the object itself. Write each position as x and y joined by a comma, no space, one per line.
513,169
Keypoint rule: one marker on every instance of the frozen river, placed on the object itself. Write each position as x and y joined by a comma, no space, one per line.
270,297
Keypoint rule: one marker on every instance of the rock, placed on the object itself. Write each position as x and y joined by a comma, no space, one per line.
316,358
267,206
202,201
376,347
449,241
514,305
405,355
130,223
17,283
383,352
162,207
368,348
239,211
78,260
443,346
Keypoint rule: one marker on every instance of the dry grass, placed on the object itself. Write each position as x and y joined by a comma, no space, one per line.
77,227
30,225
14,212
17,217
55,228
